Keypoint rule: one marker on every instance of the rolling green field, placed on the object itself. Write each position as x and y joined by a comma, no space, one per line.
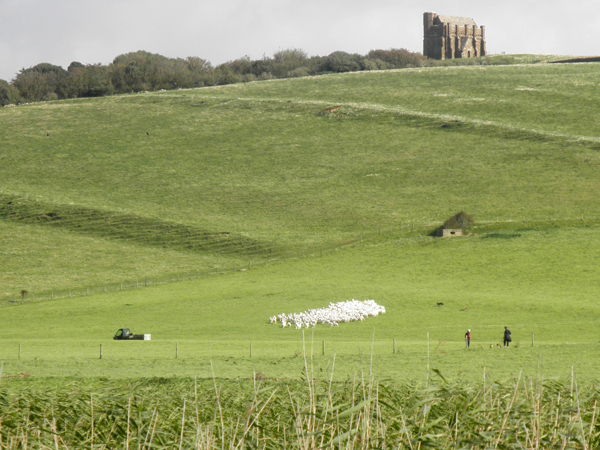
269,168
281,196
531,281
98,191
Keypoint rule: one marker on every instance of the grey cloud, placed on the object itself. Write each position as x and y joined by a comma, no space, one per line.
61,31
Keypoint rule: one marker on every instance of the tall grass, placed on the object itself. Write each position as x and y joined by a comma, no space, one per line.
360,413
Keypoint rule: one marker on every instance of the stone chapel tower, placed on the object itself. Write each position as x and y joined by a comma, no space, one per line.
446,37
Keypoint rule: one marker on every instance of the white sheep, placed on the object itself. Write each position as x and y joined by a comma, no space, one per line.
350,311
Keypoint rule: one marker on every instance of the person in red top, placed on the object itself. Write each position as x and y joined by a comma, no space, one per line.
468,338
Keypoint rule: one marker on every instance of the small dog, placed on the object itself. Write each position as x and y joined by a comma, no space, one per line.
440,304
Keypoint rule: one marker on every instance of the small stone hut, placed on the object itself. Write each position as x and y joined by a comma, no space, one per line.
455,225
449,232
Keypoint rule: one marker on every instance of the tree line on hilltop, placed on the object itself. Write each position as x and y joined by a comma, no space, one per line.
143,71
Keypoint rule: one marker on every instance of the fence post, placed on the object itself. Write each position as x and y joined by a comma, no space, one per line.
100,351
19,357
323,348
427,384
394,345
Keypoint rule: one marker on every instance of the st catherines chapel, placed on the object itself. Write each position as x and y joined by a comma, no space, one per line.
446,37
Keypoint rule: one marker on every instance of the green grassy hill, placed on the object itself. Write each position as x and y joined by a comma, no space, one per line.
212,178
219,180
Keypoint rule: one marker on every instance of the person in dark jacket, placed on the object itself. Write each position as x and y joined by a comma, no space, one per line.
507,339
468,338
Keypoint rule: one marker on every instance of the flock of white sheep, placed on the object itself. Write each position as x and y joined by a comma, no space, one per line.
350,311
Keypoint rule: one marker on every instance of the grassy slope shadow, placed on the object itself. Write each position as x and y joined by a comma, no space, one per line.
138,230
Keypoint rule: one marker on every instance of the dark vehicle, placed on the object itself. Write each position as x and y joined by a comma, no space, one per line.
125,335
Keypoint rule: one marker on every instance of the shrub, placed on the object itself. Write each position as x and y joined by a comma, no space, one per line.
342,62
9,95
40,81
461,220
398,58
299,72
286,61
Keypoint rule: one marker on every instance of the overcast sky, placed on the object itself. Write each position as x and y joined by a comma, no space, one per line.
96,31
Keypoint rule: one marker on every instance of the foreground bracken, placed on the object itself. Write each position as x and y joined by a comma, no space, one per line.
259,413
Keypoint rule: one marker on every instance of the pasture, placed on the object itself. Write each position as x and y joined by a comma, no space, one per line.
265,165
536,282
288,195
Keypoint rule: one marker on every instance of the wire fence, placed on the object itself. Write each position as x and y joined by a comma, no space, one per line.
383,233
172,349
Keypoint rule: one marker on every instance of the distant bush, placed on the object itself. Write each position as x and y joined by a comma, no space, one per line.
265,76
87,81
342,62
461,220
201,72
40,82
9,95
299,72
398,58
143,71
288,61
225,74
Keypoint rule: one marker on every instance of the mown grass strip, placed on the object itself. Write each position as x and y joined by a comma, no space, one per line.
139,230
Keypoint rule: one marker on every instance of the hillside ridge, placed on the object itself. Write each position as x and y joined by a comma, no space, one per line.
421,119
